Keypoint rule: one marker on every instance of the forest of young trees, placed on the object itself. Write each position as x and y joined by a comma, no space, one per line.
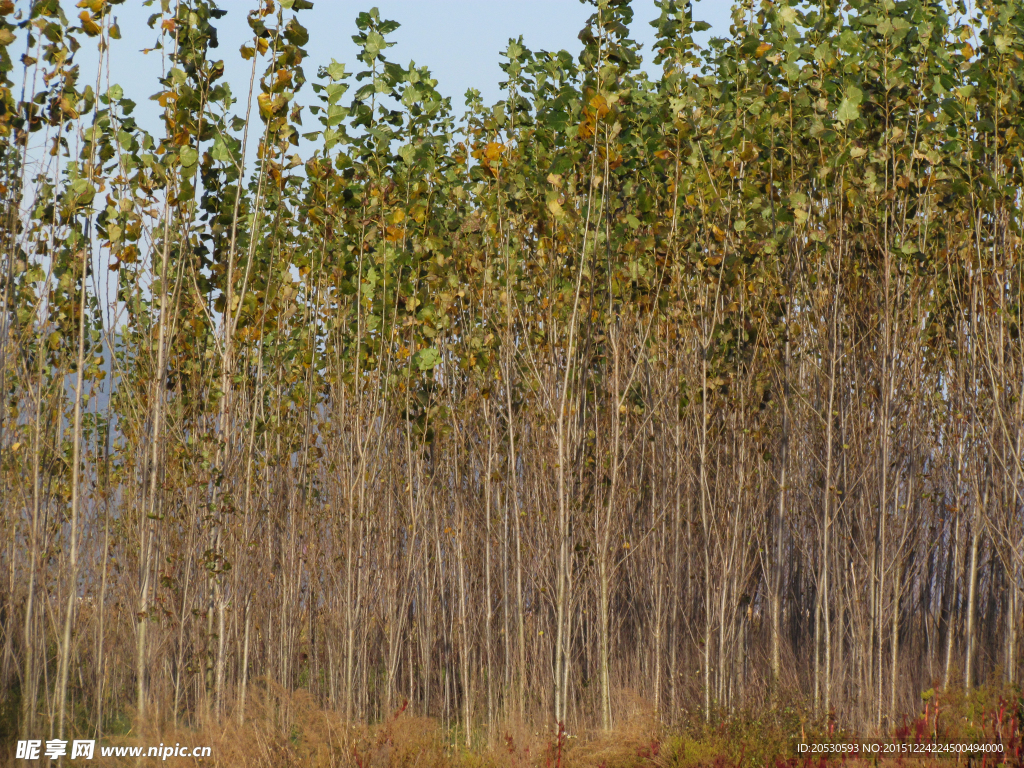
704,390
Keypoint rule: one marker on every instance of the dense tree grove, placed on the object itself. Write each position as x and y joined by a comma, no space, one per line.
705,390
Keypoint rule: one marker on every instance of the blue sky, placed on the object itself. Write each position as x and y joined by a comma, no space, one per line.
458,40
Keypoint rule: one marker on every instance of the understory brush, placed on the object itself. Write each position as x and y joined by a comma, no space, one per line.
284,729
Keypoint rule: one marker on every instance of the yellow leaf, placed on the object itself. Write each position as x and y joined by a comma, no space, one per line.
586,129
555,180
89,25
967,50
266,106
718,233
493,151
16,446
67,108
283,77
555,208
762,49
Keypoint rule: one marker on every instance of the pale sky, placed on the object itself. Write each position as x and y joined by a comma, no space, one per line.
458,40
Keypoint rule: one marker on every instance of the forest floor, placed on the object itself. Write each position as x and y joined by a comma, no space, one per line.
295,732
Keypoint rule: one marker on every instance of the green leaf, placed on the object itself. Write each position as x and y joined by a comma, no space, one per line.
220,151
115,92
83,191
407,153
375,43
295,33
426,359
189,156
849,109
335,70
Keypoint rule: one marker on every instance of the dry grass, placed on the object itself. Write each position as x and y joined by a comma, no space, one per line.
291,730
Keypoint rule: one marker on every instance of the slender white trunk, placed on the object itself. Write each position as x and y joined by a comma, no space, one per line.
76,500
972,589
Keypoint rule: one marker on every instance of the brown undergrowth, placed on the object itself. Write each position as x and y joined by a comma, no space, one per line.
291,730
